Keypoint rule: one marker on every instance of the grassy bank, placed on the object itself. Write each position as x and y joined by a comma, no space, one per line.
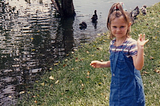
74,83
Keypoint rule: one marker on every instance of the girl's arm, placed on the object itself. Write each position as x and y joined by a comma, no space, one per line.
139,58
99,64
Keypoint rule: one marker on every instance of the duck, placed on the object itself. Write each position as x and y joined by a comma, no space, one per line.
144,10
94,17
82,25
134,13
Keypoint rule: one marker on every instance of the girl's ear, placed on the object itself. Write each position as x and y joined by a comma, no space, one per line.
130,24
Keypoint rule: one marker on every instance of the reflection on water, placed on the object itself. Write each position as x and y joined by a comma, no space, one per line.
31,41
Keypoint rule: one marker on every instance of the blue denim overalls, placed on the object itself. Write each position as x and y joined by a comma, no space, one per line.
126,83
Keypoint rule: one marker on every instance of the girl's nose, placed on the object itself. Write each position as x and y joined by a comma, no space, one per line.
118,29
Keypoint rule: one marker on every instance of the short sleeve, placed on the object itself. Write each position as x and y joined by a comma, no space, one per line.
133,48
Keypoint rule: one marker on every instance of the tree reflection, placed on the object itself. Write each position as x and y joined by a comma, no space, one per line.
31,42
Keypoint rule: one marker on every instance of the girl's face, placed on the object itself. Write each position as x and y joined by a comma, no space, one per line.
119,27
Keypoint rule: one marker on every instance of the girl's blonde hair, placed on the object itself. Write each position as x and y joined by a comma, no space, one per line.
117,11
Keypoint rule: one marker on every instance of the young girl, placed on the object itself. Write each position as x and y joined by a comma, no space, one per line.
126,59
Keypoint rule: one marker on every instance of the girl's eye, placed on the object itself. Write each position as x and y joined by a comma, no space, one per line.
114,27
122,27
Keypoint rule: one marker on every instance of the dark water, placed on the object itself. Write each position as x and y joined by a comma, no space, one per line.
32,40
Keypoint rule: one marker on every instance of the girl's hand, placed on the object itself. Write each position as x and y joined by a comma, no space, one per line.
141,41
95,64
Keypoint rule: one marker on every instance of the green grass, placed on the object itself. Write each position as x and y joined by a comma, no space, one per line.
75,83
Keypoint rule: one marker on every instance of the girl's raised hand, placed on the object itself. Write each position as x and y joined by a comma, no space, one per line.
141,40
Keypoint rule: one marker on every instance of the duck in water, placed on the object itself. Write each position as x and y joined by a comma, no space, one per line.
82,25
94,17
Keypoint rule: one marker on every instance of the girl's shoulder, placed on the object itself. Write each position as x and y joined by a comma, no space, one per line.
131,47
131,41
112,41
